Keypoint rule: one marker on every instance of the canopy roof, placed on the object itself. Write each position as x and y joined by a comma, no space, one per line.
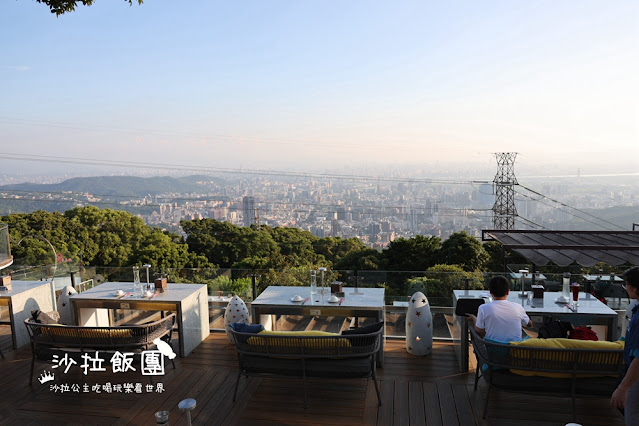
563,248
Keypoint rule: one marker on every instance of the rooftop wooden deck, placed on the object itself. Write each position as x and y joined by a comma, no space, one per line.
415,391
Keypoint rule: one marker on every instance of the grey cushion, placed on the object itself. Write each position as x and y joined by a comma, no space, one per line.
344,367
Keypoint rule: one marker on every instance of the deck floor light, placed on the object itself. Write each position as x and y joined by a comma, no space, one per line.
187,405
162,418
523,273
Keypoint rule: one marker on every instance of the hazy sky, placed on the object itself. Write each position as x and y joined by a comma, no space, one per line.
297,84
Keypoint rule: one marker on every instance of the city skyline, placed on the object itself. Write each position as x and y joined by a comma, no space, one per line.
322,85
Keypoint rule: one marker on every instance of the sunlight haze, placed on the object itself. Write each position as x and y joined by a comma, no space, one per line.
320,84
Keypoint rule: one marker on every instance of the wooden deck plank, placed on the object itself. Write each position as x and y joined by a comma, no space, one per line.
371,405
447,405
201,391
167,399
462,404
415,391
416,404
385,413
400,404
432,410
214,408
476,402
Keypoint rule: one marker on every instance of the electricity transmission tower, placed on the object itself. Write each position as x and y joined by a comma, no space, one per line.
504,210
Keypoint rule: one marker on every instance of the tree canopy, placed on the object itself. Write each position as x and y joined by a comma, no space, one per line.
97,238
463,250
115,239
60,7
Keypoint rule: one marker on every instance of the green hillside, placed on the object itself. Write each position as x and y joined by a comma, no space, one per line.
124,185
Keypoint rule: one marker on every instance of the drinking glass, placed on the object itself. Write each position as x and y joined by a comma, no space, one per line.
313,283
575,294
138,289
565,288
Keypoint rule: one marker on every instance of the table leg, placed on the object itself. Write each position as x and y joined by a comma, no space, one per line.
613,332
464,349
380,356
13,327
180,324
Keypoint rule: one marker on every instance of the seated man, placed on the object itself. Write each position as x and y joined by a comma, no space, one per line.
500,320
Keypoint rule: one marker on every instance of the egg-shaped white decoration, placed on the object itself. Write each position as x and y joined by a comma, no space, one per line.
235,312
64,305
419,326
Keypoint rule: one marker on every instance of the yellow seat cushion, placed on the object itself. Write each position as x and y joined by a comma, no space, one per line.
611,359
286,341
59,330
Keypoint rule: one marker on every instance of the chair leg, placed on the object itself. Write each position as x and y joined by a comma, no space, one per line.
33,357
574,403
237,384
486,402
477,376
305,397
304,383
379,398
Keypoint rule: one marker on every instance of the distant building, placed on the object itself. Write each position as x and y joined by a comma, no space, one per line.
486,197
374,229
248,208
318,231
336,229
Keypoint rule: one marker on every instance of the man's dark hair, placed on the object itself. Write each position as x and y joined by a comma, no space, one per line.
632,276
499,286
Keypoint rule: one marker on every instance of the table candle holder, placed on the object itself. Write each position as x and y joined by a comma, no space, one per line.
524,273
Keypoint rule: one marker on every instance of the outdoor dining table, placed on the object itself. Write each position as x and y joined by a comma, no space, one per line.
24,297
590,311
189,301
357,302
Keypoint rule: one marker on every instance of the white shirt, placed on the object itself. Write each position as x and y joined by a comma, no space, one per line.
502,320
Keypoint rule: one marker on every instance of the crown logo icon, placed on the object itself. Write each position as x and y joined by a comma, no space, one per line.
45,377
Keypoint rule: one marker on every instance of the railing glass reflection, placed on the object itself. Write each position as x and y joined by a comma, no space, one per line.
5,247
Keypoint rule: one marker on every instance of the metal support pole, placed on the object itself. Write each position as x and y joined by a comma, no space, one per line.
254,282
532,279
503,257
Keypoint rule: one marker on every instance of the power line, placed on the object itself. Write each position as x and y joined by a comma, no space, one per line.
574,208
218,138
203,169
531,222
566,211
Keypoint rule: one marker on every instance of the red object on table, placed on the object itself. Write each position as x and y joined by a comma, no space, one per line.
575,292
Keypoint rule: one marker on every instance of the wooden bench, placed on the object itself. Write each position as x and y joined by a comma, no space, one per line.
586,372
339,356
51,339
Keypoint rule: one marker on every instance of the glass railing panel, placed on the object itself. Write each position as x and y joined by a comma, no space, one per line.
5,247
437,286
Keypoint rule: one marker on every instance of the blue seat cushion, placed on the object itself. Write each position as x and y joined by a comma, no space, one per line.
373,328
240,327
